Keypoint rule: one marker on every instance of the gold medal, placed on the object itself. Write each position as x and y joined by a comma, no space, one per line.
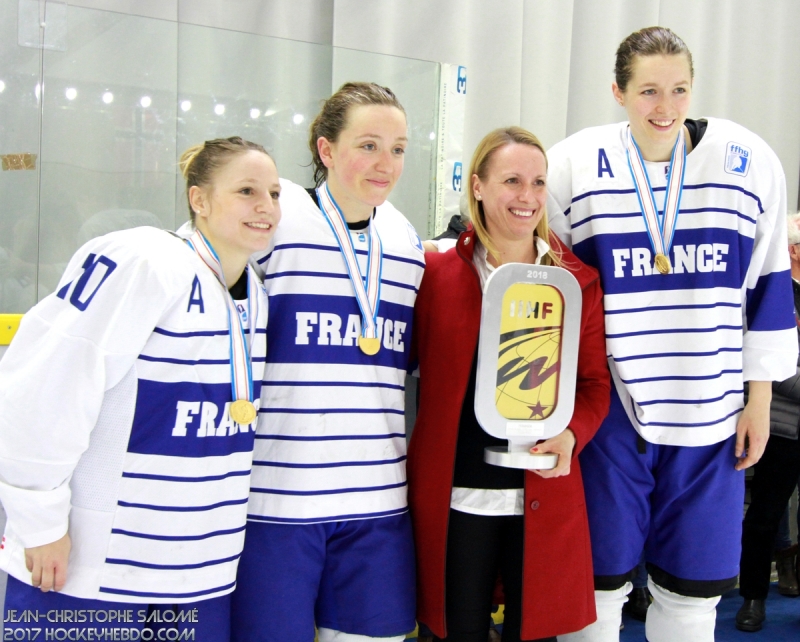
243,412
662,264
369,346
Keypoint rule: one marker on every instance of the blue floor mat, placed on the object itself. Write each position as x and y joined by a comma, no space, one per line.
782,625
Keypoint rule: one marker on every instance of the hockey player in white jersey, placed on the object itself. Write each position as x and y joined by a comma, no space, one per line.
329,538
128,413
684,220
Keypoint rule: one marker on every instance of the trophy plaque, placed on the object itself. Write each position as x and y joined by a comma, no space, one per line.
527,360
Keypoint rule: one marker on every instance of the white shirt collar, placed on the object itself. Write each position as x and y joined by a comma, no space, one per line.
485,269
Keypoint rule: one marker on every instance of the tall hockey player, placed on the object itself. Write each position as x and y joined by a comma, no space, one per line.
127,418
684,220
329,538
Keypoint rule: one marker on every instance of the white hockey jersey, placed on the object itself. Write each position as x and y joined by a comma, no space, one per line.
680,345
331,439
114,423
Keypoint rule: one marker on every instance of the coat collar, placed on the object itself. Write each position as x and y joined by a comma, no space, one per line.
465,248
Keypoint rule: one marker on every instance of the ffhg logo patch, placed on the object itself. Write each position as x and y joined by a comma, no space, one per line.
737,159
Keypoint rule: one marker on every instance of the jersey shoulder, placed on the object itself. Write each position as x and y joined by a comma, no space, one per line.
147,253
587,141
299,214
397,231
739,142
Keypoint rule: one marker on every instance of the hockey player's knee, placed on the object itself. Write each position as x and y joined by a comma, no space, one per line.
672,616
609,617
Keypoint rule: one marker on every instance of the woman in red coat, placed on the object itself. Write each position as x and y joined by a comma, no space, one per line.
473,521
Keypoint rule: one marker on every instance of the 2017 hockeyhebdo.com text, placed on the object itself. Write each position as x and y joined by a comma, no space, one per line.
112,619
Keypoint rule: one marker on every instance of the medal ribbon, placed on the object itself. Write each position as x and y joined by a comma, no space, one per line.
369,296
660,228
241,366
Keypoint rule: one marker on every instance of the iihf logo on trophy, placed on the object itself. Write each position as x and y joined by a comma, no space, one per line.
527,360
737,159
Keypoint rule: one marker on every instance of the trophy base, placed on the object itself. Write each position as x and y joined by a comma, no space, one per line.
501,456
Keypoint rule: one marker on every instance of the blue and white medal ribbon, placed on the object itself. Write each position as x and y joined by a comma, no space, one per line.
368,296
242,410
660,229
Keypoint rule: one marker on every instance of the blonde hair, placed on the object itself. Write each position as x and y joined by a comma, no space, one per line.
479,167
199,162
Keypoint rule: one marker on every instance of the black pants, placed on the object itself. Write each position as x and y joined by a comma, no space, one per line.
477,548
774,479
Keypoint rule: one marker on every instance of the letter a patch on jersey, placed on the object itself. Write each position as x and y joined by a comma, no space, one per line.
603,166
196,297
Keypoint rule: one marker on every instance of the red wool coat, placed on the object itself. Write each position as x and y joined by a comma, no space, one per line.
558,586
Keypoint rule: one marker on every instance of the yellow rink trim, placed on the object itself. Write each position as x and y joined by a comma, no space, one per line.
9,323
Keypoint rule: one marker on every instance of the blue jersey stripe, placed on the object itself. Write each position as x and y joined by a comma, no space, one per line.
233,473
183,509
195,362
694,402
334,518
770,305
659,355
403,259
177,538
683,377
391,435
723,210
329,275
735,188
337,464
397,284
599,192
690,425
291,273
655,308
181,335
332,491
699,210
185,362
599,216
172,567
335,248
319,411
673,331
113,591
336,384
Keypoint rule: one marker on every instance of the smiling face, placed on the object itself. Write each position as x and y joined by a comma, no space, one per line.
366,160
513,194
239,210
657,100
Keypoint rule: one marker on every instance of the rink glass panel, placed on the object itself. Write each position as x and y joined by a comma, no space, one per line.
107,112
20,69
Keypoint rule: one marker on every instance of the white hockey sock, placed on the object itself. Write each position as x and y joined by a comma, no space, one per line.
329,635
677,617
609,616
